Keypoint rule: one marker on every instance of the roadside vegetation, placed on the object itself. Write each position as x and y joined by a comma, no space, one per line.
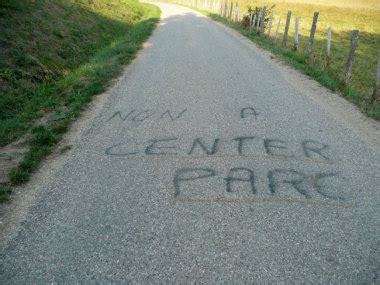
342,16
54,56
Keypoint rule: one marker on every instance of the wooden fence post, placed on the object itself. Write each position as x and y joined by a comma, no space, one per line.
237,12
312,34
376,90
270,23
259,20
351,56
253,21
278,28
328,47
262,24
250,18
285,39
295,46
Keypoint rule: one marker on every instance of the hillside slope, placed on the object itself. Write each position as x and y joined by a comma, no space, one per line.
44,40
54,56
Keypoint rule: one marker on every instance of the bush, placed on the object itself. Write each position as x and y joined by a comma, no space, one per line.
256,11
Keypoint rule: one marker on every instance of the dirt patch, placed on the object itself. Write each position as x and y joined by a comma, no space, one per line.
10,156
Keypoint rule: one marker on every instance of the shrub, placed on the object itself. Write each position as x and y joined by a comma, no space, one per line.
256,11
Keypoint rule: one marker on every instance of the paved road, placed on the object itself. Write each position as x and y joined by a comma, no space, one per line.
205,164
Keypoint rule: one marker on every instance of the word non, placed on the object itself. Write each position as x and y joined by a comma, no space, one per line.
143,115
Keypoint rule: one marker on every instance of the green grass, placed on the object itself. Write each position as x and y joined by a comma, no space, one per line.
5,192
79,66
343,16
44,42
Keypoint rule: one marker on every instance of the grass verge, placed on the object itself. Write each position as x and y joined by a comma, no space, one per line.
62,100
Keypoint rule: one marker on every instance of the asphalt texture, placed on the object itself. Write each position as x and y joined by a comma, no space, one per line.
205,165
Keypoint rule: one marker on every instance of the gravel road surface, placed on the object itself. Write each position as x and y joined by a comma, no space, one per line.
205,164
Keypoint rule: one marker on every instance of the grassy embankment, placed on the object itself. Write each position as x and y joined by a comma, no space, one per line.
343,16
54,56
